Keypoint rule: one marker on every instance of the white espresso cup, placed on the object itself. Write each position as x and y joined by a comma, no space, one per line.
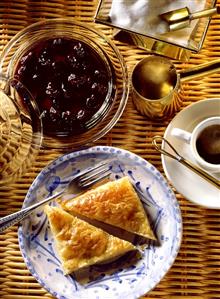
204,143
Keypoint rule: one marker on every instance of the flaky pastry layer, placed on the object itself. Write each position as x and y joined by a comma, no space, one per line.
116,203
80,244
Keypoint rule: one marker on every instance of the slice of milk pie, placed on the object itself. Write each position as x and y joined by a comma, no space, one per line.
115,203
80,244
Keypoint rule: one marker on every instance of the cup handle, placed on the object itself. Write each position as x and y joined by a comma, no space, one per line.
182,134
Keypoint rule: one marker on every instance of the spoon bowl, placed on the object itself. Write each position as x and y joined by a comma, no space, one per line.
181,18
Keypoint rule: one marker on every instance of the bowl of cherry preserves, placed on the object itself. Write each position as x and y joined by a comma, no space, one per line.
76,75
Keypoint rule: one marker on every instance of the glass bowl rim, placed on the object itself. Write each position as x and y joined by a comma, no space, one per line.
51,142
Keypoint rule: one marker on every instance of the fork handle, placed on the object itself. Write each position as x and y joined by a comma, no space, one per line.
9,220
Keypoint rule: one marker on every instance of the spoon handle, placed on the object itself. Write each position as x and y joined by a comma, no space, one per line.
214,181
204,13
176,156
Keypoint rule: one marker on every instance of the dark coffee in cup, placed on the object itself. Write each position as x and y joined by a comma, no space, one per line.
204,142
208,144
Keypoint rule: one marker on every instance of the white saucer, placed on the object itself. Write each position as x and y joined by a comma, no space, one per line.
186,182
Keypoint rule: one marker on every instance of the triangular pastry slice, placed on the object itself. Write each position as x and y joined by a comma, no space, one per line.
115,203
80,244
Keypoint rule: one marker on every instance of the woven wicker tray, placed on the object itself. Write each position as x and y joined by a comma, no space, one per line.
196,271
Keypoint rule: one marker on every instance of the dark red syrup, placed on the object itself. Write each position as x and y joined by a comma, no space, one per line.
69,81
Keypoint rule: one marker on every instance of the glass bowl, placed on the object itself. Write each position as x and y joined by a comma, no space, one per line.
117,92
20,130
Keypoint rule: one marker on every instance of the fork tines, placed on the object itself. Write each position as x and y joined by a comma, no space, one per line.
92,175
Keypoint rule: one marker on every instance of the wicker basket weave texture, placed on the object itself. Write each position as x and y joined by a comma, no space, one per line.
196,271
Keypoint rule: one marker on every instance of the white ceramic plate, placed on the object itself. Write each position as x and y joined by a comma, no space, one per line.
123,278
189,184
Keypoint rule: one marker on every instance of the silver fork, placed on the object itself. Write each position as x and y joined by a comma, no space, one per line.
81,182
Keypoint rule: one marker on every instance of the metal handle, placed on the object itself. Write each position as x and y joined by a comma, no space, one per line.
214,181
201,70
9,220
204,13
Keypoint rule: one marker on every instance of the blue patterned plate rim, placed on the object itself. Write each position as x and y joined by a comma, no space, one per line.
129,280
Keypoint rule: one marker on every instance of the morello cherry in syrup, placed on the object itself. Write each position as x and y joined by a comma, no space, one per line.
44,59
69,81
53,89
80,50
60,68
59,46
91,102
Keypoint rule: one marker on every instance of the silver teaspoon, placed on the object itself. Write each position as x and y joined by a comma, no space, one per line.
158,141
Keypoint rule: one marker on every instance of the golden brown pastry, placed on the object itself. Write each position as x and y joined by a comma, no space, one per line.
116,203
80,244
